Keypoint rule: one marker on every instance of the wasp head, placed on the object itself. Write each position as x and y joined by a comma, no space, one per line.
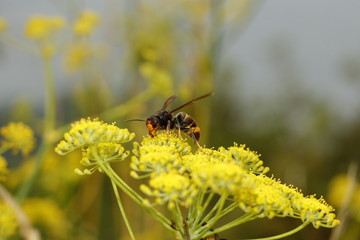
161,120
152,124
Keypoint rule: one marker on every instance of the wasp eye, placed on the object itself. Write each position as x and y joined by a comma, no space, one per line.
155,122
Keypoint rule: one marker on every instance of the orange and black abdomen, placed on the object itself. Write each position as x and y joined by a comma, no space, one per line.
188,125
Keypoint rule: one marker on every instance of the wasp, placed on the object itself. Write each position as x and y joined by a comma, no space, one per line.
165,119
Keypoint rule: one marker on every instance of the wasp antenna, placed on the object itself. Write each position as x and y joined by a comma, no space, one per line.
137,120
192,101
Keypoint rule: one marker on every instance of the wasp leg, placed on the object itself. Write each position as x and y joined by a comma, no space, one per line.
194,139
168,127
189,131
179,128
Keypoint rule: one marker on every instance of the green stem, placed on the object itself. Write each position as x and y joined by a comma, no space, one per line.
199,200
229,209
243,219
203,232
122,211
202,210
295,230
196,207
178,221
210,220
132,194
49,123
50,104
139,200
217,208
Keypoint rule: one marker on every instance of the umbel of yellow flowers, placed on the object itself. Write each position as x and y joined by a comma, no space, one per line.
187,181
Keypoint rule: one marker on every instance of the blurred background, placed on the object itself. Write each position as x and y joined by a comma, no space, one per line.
286,77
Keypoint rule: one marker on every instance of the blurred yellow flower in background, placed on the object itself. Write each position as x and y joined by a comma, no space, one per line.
86,23
8,221
46,215
18,137
338,187
3,169
3,24
77,56
40,27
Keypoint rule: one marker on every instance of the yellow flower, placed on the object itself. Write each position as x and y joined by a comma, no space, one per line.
86,23
176,175
8,221
46,215
171,188
87,132
107,152
247,159
220,178
3,24
159,154
77,56
99,142
338,187
316,211
3,169
268,198
18,137
41,27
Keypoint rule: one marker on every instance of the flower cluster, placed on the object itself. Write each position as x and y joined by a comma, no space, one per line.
18,137
86,23
78,55
3,169
8,221
178,176
99,142
232,177
339,186
41,27
161,158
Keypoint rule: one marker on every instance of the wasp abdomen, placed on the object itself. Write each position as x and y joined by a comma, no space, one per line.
188,125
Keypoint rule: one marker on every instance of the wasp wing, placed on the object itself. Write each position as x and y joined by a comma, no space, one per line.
168,102
192,101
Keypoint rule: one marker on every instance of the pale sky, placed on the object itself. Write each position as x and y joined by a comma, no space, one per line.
319,33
